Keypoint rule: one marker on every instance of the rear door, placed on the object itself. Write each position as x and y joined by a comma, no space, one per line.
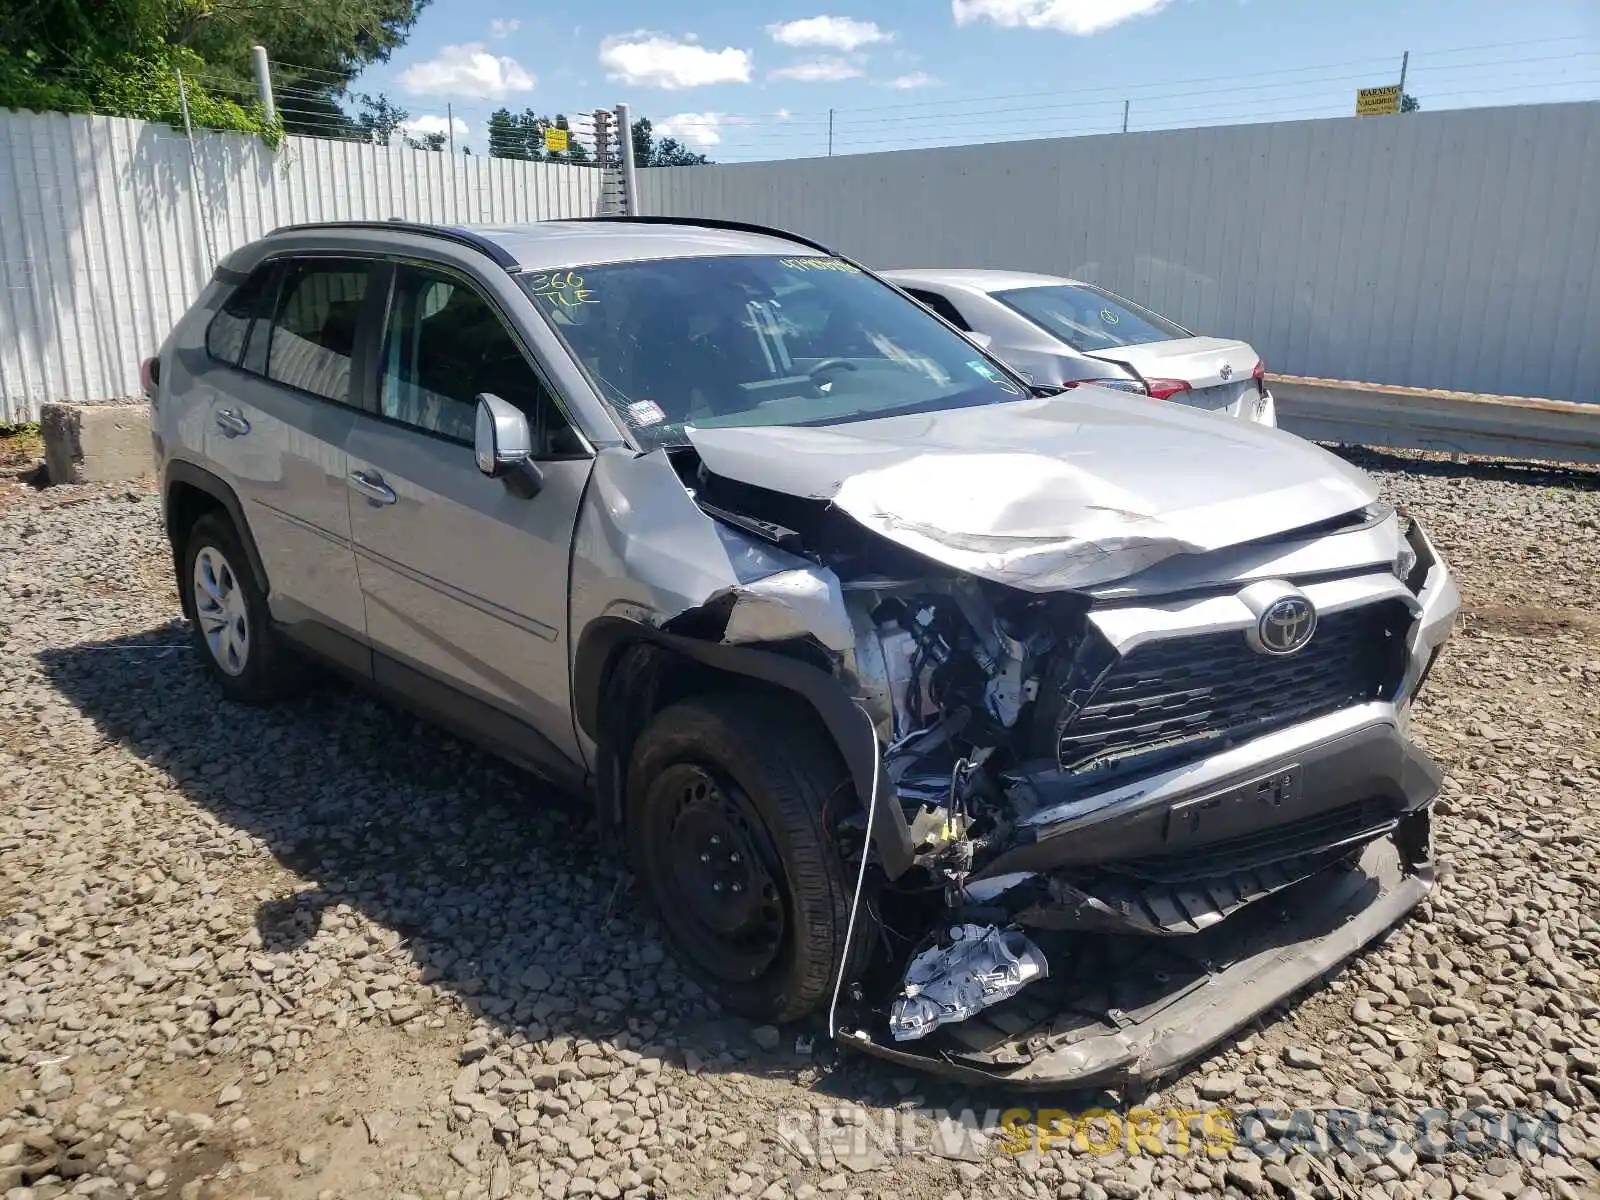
465,583
283,353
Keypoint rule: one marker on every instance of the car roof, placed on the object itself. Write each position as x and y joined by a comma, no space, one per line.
974,280
549,245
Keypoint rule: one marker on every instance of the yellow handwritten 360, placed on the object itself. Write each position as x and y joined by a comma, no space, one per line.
562,287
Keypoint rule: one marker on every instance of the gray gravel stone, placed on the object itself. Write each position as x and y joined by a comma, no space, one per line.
241,932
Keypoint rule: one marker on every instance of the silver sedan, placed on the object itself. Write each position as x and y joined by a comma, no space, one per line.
1062,333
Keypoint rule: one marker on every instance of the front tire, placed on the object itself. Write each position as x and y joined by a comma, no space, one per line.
228,616
728,795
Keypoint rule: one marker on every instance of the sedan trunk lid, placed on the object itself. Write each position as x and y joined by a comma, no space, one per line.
1217,370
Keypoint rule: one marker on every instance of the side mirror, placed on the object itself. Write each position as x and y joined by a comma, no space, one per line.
981,340
503,445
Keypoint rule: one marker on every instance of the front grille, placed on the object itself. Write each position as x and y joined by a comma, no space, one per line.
1177,699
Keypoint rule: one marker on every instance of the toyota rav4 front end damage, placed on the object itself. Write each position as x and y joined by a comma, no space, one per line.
1140,707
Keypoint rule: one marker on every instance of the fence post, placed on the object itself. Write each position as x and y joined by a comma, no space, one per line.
630,181
208,246
258,56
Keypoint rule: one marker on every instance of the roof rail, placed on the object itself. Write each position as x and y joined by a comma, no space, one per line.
503,259
718,223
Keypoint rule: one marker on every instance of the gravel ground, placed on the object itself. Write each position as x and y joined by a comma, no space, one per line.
326,951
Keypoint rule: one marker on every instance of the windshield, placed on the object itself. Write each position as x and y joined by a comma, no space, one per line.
751,340
1089,318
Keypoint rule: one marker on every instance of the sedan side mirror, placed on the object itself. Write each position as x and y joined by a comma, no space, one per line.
503,446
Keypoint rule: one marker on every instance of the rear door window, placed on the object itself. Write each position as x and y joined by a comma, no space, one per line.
313,334
1089,318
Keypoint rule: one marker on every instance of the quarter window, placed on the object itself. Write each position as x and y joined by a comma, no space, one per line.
230,328
443,347
314,331
941,305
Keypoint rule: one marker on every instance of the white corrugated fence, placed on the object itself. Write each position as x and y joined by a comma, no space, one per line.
108,230
1456,250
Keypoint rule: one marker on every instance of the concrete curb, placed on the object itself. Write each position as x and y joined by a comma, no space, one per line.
96,443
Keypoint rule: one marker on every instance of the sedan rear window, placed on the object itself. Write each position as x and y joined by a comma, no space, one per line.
1089,318
757,340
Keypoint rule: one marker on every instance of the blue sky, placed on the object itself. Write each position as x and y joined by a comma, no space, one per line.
742,81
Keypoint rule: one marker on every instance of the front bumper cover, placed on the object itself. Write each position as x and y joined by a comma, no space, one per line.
1266,954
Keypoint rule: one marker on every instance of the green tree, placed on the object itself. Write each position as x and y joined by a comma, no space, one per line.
1409,103
521,136
118,56
668,152
376,117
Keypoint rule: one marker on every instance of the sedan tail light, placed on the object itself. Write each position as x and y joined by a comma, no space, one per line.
1165,389
150,377
1260,376
1121,385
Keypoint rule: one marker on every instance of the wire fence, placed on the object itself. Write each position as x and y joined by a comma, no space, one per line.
1534,71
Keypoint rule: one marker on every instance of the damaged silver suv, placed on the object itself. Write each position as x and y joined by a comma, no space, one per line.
1039,738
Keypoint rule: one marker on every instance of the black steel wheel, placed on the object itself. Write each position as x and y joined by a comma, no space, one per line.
726,795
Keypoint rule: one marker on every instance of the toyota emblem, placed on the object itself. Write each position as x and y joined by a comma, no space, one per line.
1226,372
1286,625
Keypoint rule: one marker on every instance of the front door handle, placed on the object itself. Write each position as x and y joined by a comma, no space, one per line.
371,485
232,423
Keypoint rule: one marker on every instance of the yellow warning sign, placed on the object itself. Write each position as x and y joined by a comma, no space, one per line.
1378,101
555,139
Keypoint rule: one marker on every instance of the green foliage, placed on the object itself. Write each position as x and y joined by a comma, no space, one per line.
521,136
117,57
668,152
1409,103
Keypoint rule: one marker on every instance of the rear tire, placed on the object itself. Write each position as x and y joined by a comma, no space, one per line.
228,617
727,798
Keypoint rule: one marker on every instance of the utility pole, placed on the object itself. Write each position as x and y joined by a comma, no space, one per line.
1125,116
450,125
258,56
1405,61
830,133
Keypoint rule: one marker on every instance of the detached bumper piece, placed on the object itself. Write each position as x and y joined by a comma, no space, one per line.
1123,1007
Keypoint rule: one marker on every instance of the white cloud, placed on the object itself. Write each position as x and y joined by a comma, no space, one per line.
698,129
832,33
913,79
1069,16
818,70
500,27
419,126
469,70
654,60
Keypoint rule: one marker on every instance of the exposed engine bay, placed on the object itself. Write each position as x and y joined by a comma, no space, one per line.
1053,899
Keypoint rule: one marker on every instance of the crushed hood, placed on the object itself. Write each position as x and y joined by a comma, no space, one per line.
1047,494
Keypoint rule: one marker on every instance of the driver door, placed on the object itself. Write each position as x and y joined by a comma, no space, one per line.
465,584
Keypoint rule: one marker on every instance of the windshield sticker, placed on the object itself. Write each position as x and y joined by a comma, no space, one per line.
644,413
978,367
819,264
561,287
1109,317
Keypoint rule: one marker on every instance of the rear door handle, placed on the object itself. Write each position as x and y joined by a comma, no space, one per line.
372,486
232,422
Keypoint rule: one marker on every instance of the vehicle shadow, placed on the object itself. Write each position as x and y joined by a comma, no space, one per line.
497,885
